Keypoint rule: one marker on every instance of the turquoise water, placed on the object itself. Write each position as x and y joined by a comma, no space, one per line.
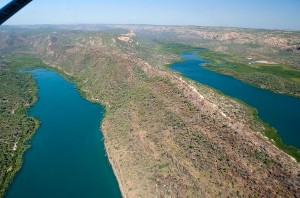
67,158
280,111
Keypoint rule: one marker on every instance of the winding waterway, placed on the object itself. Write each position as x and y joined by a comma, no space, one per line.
67,158
280,111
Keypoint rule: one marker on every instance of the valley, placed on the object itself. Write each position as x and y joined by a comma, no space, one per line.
166,135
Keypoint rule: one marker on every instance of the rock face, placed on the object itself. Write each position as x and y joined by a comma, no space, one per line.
166,136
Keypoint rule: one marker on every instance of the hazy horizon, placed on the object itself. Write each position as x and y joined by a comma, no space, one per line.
104,24
269,14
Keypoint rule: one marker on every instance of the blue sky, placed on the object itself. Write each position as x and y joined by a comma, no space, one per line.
270,14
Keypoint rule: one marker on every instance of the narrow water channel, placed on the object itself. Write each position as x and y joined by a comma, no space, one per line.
280,111
67,158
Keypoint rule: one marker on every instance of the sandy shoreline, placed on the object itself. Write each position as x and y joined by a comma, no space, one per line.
116,170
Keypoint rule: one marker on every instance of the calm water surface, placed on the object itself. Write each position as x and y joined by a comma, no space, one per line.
67,158
280,111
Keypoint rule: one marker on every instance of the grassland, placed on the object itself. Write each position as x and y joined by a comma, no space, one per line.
175,48
17,94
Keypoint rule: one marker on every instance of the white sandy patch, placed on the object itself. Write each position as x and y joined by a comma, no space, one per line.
265,62
9,169
15,146
124,38
127,37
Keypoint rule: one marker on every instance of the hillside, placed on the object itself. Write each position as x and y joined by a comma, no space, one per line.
268,59
264,58
165,136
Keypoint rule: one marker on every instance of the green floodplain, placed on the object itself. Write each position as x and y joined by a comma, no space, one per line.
275,77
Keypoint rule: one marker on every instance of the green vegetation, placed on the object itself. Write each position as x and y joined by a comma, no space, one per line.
268,131
161,138
274,137
175,48
217,58
262,157
17,94
276,77
283,71
219,62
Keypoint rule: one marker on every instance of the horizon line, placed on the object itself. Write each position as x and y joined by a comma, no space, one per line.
207,26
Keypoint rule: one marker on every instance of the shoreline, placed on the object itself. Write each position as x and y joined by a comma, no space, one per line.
20,159
231,73
276,92
116,170
270,133
87,95
26,147
164,135
84,94
22,147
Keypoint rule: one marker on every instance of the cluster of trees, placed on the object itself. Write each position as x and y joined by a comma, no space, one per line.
17,93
